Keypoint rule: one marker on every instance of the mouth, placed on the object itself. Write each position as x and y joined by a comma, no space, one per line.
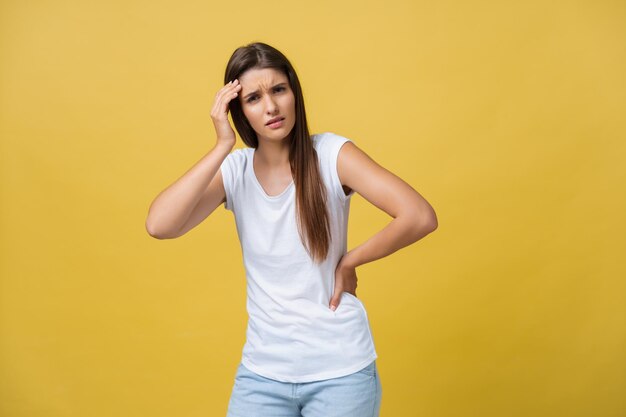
274,120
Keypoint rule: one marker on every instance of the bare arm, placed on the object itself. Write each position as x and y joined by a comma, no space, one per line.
413,216
171,209
196,194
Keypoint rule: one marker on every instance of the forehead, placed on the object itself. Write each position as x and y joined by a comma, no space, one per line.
263,78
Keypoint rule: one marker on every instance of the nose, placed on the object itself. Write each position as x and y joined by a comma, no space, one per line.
270,104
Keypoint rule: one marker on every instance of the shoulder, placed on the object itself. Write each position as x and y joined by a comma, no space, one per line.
235,162
240,153
328,146
328,137
238,156
329,142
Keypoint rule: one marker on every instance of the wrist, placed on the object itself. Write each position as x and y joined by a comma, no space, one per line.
222,148
349,260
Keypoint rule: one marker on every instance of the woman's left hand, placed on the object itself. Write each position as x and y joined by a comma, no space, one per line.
345,280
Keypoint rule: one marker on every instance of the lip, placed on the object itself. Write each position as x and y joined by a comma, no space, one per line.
275,119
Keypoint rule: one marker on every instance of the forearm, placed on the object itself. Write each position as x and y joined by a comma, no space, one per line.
400,232
171,208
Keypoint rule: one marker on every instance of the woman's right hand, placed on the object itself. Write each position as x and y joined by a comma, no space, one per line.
219,113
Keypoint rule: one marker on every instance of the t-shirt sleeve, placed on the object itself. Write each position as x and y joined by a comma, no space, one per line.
333,147
229,169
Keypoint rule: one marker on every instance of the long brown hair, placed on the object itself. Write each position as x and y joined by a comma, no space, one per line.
311,211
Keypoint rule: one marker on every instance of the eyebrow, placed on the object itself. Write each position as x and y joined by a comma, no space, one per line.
256,91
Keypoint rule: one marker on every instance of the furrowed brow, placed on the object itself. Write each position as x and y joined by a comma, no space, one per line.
256,91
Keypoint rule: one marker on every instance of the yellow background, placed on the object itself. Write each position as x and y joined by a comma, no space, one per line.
507,118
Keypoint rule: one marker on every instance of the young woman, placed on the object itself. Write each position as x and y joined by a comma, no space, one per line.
309,349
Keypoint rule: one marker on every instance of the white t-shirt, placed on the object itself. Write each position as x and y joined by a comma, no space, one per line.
292,334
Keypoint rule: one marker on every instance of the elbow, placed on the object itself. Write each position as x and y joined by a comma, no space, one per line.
429,219
425,226
431,223
429,227
154,231
424,222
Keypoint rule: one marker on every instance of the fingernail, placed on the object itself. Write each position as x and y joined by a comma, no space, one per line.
333,308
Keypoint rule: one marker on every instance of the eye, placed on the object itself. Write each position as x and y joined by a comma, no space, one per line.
252,98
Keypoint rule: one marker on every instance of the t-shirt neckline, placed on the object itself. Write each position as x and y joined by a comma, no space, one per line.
258,183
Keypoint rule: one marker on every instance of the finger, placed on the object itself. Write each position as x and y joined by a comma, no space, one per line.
231,86
217,101
226,95
221,91
334,301
221,95
226,90
221,103
226,101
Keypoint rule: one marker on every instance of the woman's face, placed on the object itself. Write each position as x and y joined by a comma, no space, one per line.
265,94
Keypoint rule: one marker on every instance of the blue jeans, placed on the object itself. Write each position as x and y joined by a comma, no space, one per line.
355,395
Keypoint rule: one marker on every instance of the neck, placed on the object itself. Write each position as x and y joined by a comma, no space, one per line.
273,154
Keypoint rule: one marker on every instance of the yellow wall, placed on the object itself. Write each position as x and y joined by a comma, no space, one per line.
507,118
